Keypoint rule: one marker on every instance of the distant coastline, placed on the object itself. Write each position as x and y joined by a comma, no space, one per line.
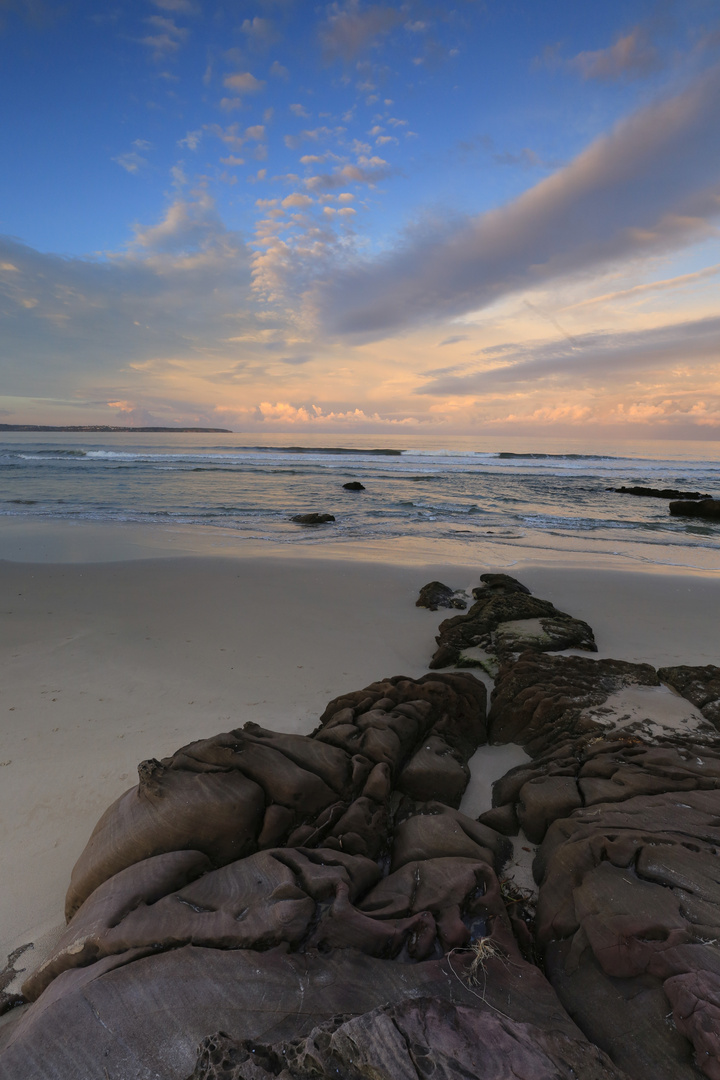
105,427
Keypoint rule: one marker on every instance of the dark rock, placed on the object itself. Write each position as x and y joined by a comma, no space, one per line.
700,685
629,916
542,635
435,595
502,819
660,493
706,508
354,485
504,619
590,771
404,1041
540,700
321,905
501,583
445,656
229,795
312,519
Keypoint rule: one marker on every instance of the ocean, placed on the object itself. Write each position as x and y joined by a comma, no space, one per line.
537,493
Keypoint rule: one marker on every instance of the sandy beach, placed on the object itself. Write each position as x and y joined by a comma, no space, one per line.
107,663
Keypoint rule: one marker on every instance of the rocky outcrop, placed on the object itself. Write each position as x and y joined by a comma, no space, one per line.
507,619
251,788
629,919
623,794
259,884
354,485
307,907
701,685
423,1037
659,493
705,508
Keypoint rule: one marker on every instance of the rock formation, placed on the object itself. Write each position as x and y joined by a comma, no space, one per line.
435,595
312,519
705,508
306,907
659,493
506,619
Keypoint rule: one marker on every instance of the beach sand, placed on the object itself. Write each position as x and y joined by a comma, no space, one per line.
107,663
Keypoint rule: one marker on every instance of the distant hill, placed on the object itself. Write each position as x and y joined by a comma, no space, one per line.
104,427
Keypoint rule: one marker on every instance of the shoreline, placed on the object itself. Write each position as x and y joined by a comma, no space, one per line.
69,542
109,663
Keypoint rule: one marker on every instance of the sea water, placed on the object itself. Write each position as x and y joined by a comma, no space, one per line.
538,493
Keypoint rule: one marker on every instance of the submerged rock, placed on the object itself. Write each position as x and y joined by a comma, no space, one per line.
354,485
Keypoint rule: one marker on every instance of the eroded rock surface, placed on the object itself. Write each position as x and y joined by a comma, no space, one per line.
435,595
506,619
425,1037
303,907
623,794
701,685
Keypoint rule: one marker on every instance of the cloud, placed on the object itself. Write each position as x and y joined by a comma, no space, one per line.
453,340
184,6
525,159
244,82
648,287
36,12
649,186
592,358
259,30
350,28
312,135
191,140
131,162
370,171
297,200
299,110
167,38
277,69
284,412
176,292
229,135
631,57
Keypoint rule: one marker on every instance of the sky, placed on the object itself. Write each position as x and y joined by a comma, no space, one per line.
460,218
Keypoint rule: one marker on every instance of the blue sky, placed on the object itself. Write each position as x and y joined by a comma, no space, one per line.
357,216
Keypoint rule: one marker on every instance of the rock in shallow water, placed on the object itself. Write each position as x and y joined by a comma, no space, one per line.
312,519
704,508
